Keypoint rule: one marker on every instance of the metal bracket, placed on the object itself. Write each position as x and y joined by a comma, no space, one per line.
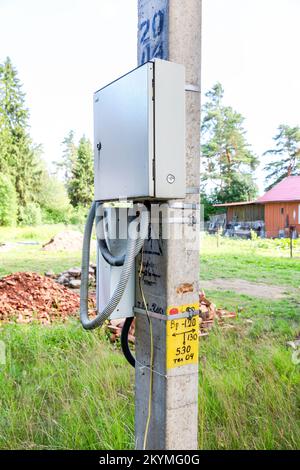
192,190
159,316
183,206
190,220
191,87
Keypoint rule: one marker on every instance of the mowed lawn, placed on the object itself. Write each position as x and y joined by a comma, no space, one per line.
63,387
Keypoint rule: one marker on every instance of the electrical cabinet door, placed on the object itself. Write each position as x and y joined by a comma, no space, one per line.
139,134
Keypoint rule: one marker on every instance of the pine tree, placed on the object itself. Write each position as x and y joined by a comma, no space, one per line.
4,145
81,184
227,159
20,158
8,201
287,152
68,157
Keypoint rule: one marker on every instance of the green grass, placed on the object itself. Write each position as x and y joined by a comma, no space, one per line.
249,383
63,387
33,258
252,307
26,257
249,390
260,261
40,233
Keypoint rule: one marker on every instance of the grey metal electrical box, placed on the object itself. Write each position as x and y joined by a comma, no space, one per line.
139,129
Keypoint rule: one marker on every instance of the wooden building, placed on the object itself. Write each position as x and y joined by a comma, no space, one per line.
244,211
282,207
279,208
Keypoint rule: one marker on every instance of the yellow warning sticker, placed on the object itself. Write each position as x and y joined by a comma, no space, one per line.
182,340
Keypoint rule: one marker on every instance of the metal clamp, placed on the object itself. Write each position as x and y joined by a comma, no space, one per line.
192,190
183,205
191,87
159,316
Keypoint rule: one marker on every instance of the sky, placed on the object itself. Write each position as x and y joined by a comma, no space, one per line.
64,50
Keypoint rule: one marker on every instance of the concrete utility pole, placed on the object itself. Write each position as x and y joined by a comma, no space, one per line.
171,30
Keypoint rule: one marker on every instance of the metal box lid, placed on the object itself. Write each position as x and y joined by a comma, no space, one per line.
139,134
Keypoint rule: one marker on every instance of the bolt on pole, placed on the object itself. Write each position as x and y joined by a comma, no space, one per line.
167,290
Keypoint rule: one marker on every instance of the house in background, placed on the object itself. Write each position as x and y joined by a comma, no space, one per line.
282,207
279,209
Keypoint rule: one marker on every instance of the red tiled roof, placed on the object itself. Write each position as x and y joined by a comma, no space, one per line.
287,190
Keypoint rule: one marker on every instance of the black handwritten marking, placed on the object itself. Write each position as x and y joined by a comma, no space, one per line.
150,274
156,309
154,247
187,335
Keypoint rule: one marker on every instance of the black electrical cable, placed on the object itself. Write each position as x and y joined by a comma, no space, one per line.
114,260
109,258
125,343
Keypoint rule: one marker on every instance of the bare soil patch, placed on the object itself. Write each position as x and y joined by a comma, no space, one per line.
252,289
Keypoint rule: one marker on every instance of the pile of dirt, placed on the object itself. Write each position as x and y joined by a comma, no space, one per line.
69,240
25,297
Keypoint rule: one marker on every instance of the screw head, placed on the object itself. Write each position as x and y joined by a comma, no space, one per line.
171,179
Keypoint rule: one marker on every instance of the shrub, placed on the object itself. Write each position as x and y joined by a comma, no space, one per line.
55,216
54,201
8,201
31,214
78,215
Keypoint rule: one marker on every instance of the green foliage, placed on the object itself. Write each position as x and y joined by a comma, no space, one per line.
31,214
225,150
81,185
28,176
69,157
53,199
18,156
287,153
4,143
241,188
8,201
77,216
227,160
39,195
207,205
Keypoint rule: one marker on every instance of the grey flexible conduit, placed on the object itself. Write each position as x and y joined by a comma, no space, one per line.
134,246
